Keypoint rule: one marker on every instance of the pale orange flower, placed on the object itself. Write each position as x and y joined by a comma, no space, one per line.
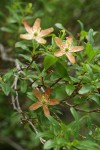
44,101
67,48
35,32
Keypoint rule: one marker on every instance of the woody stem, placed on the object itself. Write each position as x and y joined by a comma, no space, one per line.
55,82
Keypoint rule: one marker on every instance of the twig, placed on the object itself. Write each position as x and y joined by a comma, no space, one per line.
55,82
30,63
88,111
81,110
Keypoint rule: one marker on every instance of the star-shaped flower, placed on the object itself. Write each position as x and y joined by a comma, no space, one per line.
44,101
35,32
67,48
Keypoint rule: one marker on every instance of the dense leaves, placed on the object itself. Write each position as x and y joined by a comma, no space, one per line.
62,92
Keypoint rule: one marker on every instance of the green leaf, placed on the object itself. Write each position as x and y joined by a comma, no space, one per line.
88,69
75,80
90,52
53,121
83,34
29,58
95,67
81,24
61,70
32,76
85,89
69,89
5,29
21,45
74,113
90,36
6,88
97,84
95,98
60,92
36,66
88,145
23,86
49,60
45,134
31,96
8,75
49,144
59,26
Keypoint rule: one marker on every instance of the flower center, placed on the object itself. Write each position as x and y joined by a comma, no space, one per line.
35,34
44,100
66,49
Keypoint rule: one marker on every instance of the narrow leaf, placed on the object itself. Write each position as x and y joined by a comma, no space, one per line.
74,113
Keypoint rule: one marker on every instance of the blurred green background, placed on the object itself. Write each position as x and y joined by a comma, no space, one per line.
12,12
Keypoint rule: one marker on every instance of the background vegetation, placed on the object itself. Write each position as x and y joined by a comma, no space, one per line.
14,135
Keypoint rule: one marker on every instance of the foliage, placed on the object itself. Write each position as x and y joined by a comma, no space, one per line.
56,100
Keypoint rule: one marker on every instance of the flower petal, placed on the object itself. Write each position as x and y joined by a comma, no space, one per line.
46,111
36,25
26,36
54,102
27,26
40,40
76,48
47,93
46,31
35,106
37,94
69,41
70,57
59,43
58,53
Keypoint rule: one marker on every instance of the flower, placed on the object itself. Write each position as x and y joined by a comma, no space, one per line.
44,101
35,32
67,48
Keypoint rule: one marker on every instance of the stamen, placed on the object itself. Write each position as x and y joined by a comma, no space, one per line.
44,100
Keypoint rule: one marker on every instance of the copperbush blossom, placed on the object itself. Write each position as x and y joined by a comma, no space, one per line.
35,32
67,48
44,101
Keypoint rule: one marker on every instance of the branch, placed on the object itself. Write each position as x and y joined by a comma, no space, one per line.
81,110
30,63
55,82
